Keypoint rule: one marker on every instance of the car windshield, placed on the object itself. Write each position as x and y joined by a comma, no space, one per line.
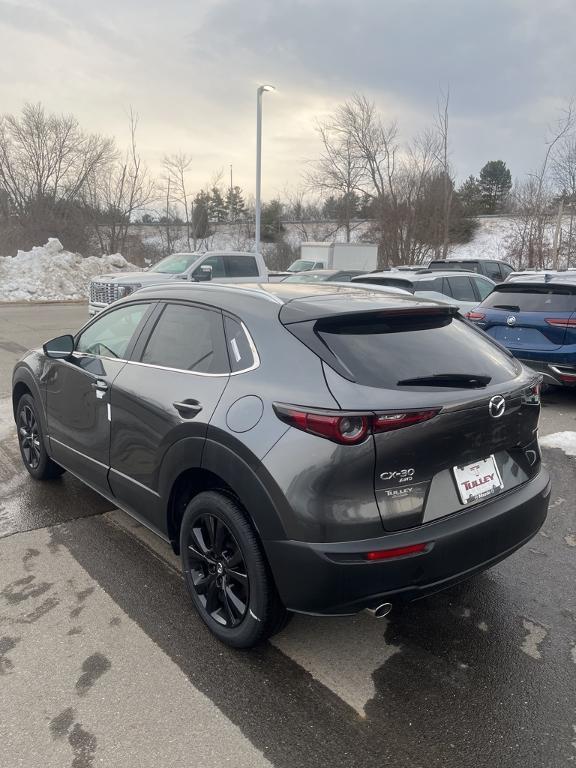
301,265
175,264
533,298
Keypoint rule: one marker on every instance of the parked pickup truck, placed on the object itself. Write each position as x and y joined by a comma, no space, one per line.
220,266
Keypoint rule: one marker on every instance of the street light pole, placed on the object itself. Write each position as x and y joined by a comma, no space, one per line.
259,93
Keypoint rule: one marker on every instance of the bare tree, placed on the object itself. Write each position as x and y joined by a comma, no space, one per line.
118,192
176,168
442,125
564,176
46,162
340,168
532,201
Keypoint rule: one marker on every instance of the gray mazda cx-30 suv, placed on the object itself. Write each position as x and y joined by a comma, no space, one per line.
304,447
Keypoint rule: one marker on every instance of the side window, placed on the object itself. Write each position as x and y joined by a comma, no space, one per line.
239,349
461,288
188,338
241,266
109,336
217,264
446,289
492,270
506,270
483,287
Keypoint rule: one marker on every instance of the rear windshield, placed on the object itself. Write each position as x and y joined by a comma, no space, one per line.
392,352
533,298
468,266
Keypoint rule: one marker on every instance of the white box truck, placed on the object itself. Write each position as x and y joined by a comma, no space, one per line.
332,255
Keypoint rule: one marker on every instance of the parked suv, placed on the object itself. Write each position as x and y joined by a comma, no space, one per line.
310,448
492,268
223,266
462,289
535,319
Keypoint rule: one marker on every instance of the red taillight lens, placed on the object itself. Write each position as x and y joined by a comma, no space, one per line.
349,428
345,429
387,554
387,422
562,322
475,315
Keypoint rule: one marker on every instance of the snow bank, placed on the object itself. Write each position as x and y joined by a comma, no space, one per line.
49,273
566,441
491,240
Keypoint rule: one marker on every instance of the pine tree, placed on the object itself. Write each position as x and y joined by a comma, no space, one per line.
271,222
495,182
234,203
217,208
470,196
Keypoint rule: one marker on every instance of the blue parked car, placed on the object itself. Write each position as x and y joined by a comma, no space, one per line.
536,321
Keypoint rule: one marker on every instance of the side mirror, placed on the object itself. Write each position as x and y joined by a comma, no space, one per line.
60,348
203,273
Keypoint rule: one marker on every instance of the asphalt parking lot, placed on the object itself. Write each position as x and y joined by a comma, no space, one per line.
103,662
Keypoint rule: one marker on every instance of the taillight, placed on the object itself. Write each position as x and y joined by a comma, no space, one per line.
348,428
388,554
562,322
475,315
387,422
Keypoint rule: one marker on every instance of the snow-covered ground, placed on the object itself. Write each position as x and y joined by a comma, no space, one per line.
566,441
49,273
491,240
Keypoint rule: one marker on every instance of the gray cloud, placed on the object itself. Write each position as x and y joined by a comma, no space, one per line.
191,70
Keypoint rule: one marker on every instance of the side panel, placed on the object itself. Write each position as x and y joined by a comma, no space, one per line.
145,424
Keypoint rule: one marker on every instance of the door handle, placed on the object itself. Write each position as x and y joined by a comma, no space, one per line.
188,408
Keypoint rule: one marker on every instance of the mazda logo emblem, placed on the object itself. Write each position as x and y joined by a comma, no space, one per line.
497,406
511,320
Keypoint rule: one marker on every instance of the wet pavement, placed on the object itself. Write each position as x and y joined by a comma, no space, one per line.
103,662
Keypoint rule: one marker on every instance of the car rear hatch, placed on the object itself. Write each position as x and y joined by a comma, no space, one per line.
530,319
454,417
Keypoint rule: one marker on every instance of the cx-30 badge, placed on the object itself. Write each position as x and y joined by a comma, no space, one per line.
511,320
496,406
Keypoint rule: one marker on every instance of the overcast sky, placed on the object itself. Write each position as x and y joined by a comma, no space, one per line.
190,68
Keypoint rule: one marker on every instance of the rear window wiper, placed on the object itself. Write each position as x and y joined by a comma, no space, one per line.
511,307
473,381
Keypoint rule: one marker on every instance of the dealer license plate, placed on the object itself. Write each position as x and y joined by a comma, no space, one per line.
478,480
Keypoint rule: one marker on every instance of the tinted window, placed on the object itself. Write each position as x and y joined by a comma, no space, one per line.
506,270
188,338
461,288
428,285
239,349
241,266
382,352
217,264
492,270
532,298
109,336
483,286
468,266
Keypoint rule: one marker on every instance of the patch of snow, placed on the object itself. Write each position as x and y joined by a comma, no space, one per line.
536,635
49,273
491,240
566,441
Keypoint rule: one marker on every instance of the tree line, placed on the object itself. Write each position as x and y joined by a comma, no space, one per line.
57,180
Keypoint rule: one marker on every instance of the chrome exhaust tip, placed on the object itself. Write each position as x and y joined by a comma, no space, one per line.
380,611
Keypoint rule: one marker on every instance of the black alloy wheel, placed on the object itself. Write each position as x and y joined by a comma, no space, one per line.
29,436
31,441
226,572
217,570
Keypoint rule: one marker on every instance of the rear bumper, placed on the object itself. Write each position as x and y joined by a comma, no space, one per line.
332,579
559,374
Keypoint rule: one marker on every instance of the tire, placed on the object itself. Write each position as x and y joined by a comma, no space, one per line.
31,442
227,574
